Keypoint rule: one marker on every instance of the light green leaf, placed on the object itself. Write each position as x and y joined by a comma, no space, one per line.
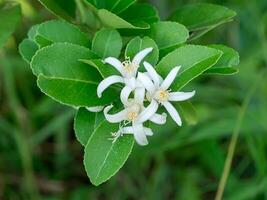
104,69
65,78
168,34
10,17
61,8
202,16
68,33
84,125
107,42
74,92
113,21
103,158
188,112
137,44
33,32
115,6
141,12
225,64
27,49
201,59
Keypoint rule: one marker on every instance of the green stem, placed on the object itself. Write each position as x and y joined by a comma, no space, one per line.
232,145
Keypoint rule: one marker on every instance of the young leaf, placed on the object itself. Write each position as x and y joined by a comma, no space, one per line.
202,16
103,158
68,33
84,125
27,49
141,12
201,59
113,21
168,34
225,64
10,17
107,42
137,44
61,8
74,92
115,6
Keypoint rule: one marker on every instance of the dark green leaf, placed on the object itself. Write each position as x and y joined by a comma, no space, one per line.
103,158
107,42
9,17
137,44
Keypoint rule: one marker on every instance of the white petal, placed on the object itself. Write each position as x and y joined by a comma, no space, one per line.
95,108
146,82
139,95
158,119
129,130
141,55
104,84
173,112
170,78
152,73
115,63
181,96
139,134
130,82
148,112
125,93
115,118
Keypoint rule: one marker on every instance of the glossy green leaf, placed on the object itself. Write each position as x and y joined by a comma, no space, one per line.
111,20
107,42
202,17
225,64
66,79
84,125
27,49
61,8
141,12
115,6
68,33
137,44
168,34
104,69
201,59
10,17
103,158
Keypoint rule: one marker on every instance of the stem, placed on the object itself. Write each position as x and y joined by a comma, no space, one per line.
232,145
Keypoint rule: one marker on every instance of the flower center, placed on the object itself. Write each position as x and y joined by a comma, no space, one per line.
129,67
162,95
133,112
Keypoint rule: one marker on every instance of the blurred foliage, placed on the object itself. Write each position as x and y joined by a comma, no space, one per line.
40,159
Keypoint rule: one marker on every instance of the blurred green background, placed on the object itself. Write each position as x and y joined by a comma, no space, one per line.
41,159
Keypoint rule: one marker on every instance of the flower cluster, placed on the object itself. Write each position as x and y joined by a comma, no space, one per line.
141,89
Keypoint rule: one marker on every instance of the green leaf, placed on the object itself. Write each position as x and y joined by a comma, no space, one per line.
188,112
107,42
168,34
202,16
103,158
61,8
27,49
113,21
141,12
115,6
68,33
201,59
225,64
74,92
10,17
33,32
137,44
84,125
104,69
65,78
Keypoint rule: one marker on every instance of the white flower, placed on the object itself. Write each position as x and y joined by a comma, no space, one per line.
158,90
135,113
128,70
